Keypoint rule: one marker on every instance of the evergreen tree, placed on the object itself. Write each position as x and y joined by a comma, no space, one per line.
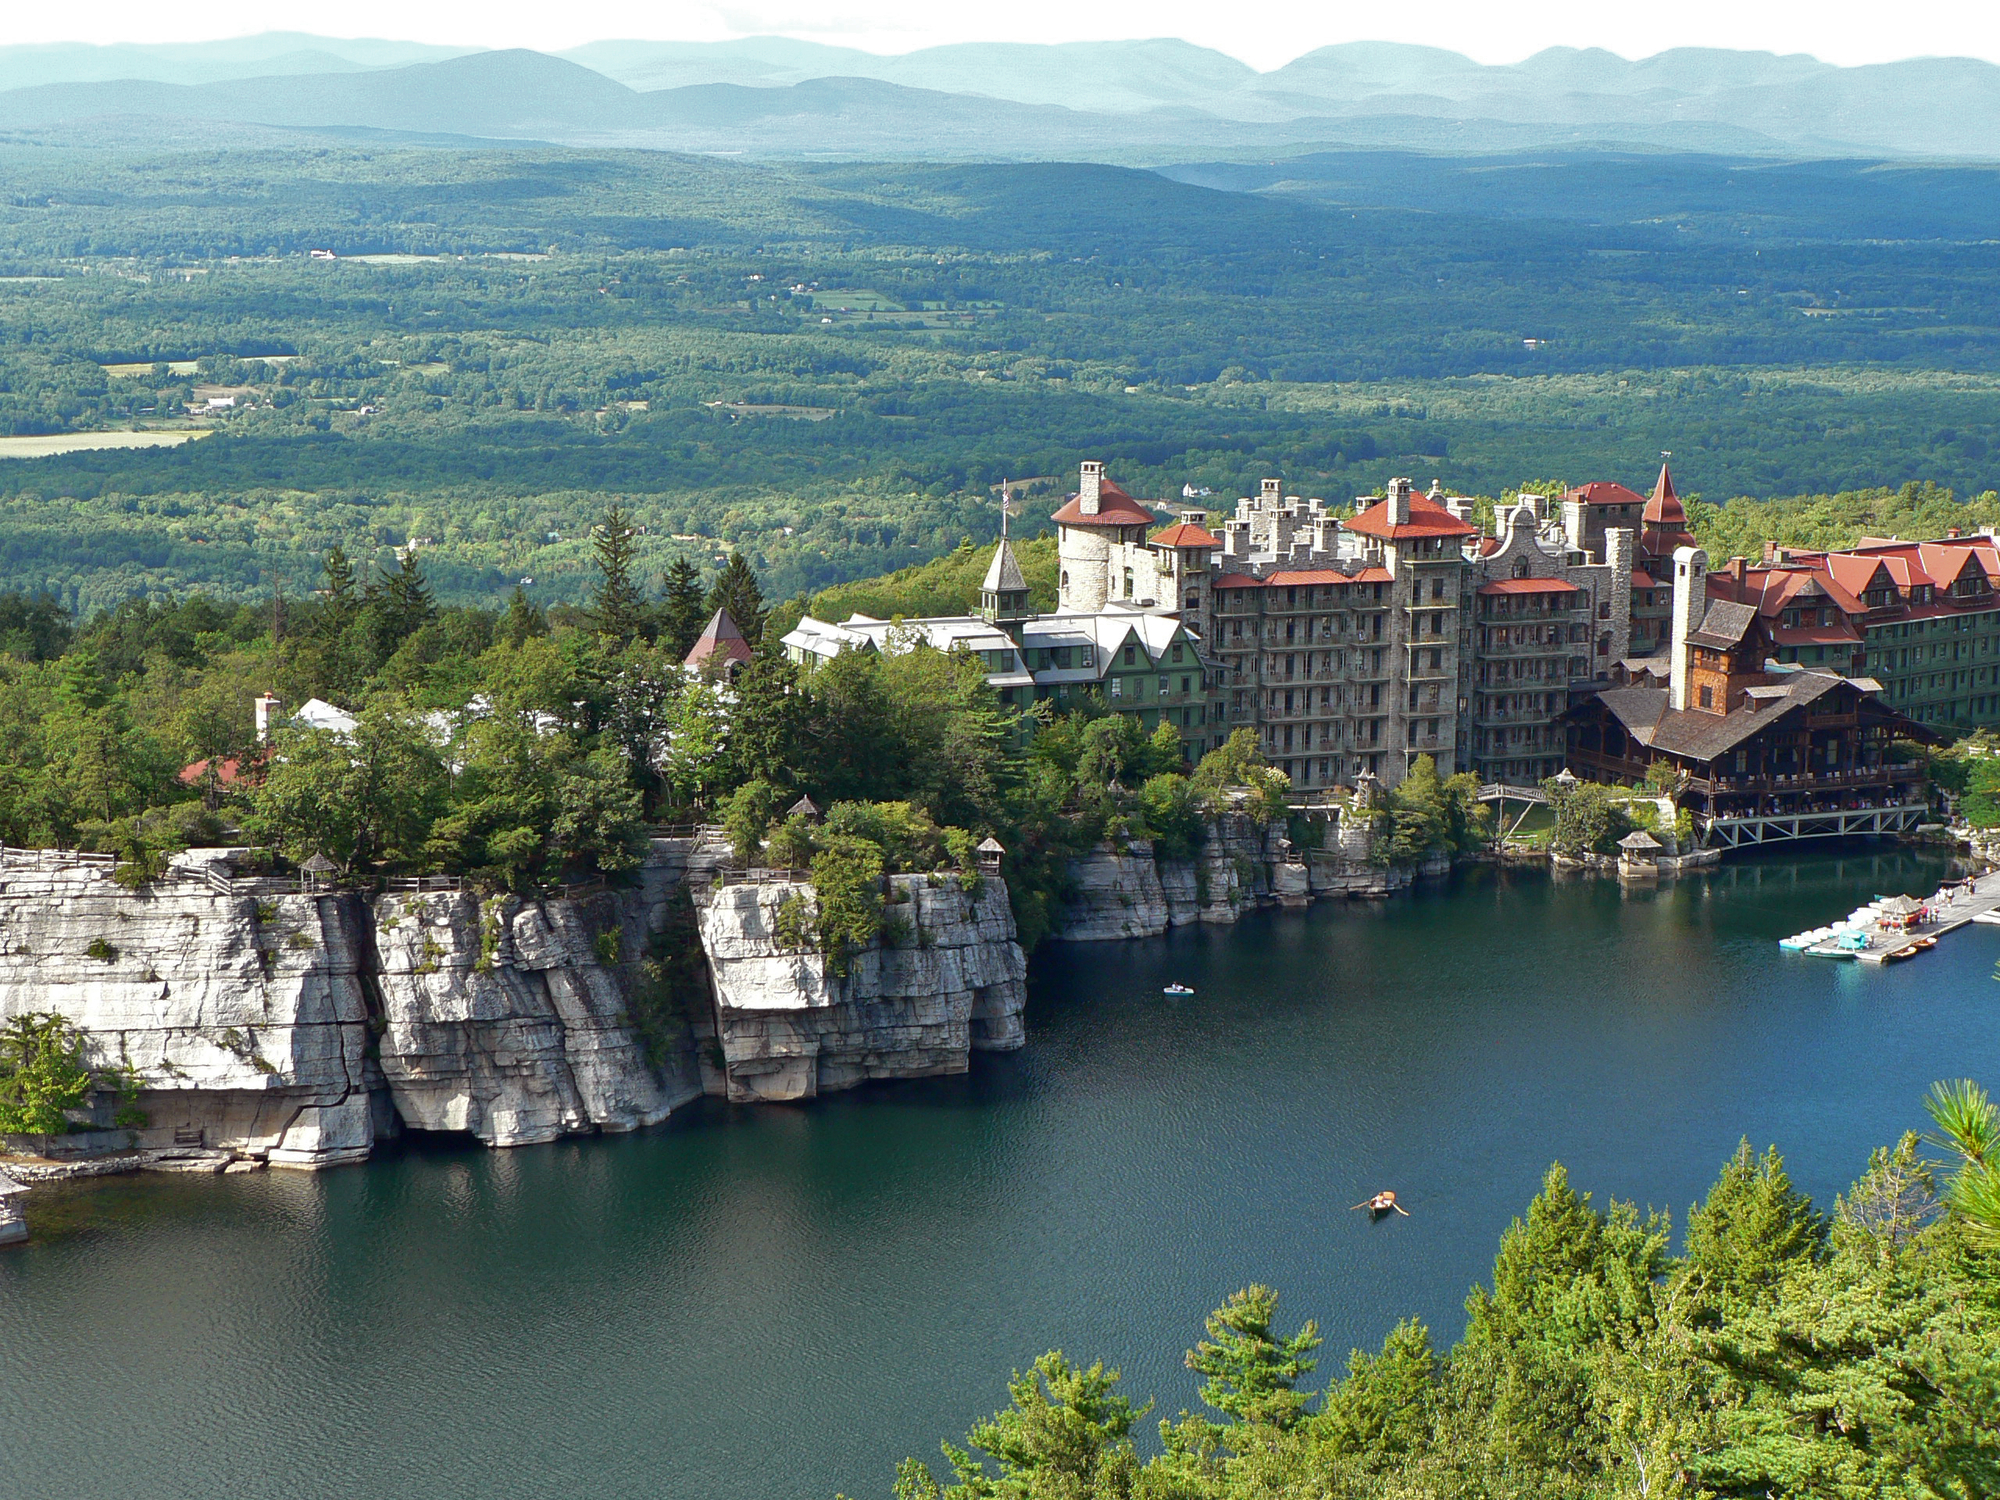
342,598
524,618
1751,1229
397,605
1252,1372
617,603
735,589
1384,1405
766,740
682,611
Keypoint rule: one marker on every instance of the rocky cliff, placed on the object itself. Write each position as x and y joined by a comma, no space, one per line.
300,1029
947,980
1129,890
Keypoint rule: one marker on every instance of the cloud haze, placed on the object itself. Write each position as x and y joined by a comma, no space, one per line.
1265,36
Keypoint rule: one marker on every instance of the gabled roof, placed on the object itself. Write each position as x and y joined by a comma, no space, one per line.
720,635
1003,574
1948,564
1855,574
1186,534
1604,492
1664,509
1114,508
1701,735
1641,579
1724,624
1427,519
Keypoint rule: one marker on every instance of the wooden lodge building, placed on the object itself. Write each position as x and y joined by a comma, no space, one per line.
1769,750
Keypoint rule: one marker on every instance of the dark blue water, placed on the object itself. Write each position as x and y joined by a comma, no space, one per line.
756,1304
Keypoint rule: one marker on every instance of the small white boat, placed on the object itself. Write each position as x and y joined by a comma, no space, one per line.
1177,989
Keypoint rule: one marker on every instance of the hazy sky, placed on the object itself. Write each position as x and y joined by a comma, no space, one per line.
1265,35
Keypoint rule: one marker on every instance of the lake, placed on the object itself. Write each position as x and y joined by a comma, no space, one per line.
775,1302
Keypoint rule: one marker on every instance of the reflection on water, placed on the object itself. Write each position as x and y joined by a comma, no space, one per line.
779,1301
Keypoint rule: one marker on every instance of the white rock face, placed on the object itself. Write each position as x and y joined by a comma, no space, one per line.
300,1029
953,980
503,1019
243,1016
1114,894
1241,863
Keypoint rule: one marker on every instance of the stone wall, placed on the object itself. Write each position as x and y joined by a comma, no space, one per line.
950,979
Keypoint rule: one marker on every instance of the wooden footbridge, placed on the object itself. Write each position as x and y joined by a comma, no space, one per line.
1500,792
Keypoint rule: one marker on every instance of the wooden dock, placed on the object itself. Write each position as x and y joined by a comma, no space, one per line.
1983,905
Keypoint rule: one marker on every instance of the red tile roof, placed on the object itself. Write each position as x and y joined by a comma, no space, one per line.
1604,492
1816,635
1528,586
1308,576
1427,518
228,772
1304,576
1114,508
1644,580
1186,534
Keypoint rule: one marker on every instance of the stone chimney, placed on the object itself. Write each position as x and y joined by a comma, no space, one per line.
1267,494
267,706
1090,485
1690,605
1399,502
1574,534
1618,549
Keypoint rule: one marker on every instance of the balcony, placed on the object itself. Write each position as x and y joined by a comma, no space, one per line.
1807,781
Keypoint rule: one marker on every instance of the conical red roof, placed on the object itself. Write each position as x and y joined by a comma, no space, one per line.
1664,509
720,635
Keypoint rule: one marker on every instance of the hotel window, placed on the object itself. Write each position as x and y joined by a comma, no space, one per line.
1708,697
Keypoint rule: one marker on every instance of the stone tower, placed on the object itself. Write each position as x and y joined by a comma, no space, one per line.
1690,606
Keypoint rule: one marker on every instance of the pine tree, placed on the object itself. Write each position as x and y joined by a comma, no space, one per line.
736,590
617,603
1251,1372
682,612
524,618
408,594
397,606
342,598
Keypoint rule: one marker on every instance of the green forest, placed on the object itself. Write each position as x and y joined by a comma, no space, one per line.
832,368
1786,1350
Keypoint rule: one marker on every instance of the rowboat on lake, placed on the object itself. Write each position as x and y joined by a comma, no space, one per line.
1381,1204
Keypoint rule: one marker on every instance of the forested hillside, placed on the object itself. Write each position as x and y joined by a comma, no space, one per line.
834,367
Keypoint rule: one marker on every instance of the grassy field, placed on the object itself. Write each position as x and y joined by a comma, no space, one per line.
50,445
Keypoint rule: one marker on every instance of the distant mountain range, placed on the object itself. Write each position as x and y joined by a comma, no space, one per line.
1155,101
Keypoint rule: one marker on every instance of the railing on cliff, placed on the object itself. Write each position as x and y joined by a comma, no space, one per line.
55,859
759,875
